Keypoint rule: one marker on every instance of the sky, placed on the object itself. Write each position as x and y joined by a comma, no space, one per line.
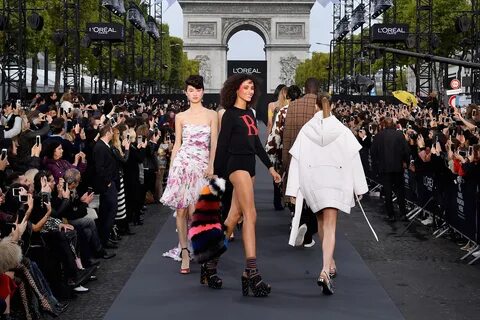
320,28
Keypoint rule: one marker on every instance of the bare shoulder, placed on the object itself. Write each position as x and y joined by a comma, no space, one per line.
212,114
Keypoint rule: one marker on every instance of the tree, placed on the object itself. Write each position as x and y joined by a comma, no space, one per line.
314,67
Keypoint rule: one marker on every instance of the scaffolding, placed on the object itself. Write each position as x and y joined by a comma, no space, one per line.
424,33
71,45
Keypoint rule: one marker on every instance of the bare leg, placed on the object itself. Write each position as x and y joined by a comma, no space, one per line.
328,243
234,215
243,193
320,236
182,236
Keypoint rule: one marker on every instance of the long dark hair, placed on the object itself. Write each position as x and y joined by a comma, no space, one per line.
228,95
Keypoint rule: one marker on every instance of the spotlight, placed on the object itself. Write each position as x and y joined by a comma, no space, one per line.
58,38
97,52
117,7
86,41
341,30
35,21
135,16
152,28
358,17
380,6
463,24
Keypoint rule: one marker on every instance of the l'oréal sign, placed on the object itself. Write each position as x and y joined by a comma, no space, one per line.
106,32
389,32
246,70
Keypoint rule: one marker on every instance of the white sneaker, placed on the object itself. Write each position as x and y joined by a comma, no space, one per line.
427,221
300,235
309,245
476,254
80,289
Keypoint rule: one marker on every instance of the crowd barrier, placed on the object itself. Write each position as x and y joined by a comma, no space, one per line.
455,204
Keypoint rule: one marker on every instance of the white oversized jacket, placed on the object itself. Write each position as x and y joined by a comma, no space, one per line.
325,169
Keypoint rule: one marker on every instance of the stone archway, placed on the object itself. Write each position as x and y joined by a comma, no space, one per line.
283,25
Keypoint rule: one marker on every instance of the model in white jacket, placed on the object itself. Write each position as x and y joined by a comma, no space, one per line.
326,171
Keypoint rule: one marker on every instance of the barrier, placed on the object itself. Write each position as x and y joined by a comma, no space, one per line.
454,201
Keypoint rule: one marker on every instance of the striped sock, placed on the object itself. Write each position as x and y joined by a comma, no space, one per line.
251,264
212,264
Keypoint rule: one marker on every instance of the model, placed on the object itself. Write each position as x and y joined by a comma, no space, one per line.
191,162
238,143
326,170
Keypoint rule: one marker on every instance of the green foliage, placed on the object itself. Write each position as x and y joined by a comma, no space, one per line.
314,67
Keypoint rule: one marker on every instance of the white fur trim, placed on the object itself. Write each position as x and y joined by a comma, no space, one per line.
215,184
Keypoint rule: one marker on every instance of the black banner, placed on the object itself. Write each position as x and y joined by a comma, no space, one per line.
259,70
389,32
112,32
462,210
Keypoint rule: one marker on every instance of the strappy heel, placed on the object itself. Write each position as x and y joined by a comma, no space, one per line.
326,284
210,277
185,270
253,281
332,273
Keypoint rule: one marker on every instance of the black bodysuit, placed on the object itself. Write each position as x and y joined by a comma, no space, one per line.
238,143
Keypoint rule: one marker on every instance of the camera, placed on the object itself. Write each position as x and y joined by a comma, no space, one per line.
463,153
4,154
23,198
413,135
16,192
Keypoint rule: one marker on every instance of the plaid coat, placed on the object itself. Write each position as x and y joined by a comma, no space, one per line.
300,112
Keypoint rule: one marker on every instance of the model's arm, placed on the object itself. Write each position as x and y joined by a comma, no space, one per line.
178,137
213,141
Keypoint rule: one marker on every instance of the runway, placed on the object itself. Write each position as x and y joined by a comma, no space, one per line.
156,289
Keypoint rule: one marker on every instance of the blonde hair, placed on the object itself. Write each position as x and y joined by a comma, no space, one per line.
282,97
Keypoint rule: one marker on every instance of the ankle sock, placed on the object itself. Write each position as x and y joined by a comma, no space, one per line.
251,264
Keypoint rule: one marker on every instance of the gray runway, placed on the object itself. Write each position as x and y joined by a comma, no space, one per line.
156,289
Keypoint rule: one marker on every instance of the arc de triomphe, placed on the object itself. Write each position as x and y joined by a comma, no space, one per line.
283,25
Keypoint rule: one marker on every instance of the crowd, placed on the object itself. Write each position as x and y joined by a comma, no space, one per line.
74,178
425,138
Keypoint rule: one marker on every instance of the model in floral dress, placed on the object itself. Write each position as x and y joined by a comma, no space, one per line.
191,162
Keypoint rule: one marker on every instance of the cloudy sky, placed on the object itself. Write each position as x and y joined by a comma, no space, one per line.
320,28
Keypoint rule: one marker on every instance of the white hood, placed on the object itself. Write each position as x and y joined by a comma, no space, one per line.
323,131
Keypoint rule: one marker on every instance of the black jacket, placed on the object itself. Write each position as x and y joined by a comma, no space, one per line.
390,151
106,170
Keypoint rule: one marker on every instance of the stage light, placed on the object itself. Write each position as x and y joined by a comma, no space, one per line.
117,7
380,6
463,24
135,16
86,41
58,38
341,30
358,17
411,42
35,21
363,84
152,28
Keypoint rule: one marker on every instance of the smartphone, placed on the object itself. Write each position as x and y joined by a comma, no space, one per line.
89,190
65,185
19,103
37,140
370,129
23,198
4,154
470,150
61,111
447,120
113,121
474,113
463,153
156,132
144,139
128,137
139,139
45,198
16,192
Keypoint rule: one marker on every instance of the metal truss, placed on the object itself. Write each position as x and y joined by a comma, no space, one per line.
71,46
14,59
424,33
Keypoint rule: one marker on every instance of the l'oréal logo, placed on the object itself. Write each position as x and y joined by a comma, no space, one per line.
246,70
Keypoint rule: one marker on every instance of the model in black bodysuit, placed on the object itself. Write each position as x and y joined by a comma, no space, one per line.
238,143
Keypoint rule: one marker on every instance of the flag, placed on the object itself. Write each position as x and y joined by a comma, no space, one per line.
325,3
